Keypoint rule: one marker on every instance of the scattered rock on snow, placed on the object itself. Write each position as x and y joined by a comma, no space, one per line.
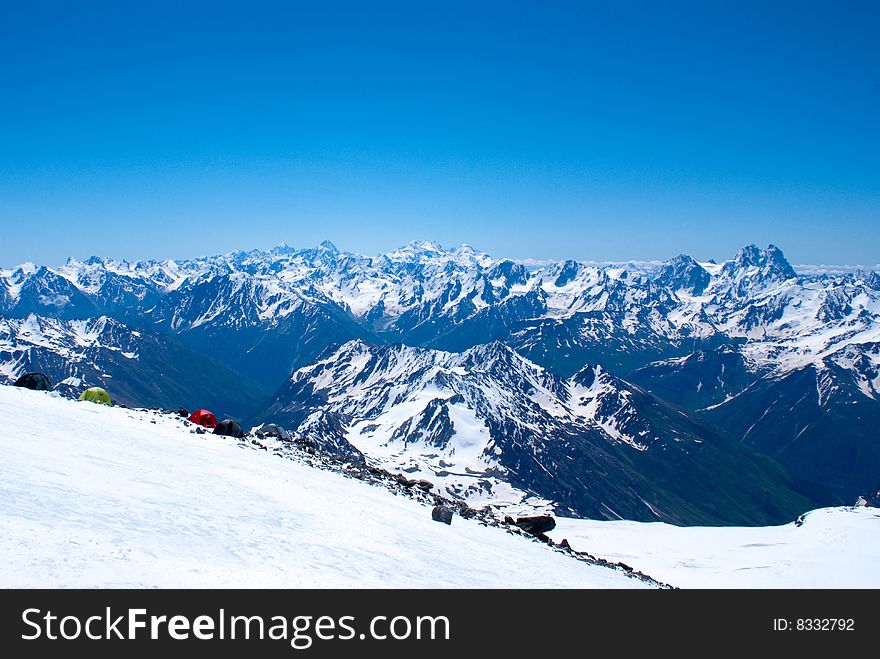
537,525
442,514
443,509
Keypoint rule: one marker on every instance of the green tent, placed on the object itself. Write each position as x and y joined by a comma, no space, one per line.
96,395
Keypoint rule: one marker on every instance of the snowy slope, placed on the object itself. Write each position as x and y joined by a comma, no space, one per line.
833,548
94,496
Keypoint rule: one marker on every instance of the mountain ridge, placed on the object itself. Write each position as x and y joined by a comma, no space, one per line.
490,427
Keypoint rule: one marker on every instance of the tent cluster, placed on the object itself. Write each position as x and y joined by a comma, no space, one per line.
41,382
227,427
205,418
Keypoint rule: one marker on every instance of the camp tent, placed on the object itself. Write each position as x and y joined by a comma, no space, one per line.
204,418
229,428
35,381
271,430
96,395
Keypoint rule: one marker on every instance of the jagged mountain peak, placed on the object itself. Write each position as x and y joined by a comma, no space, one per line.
771,260
683,272
586,377
486,353
748,255
327,246
282,249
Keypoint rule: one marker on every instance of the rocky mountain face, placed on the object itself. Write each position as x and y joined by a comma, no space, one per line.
720,346
819,420
140,368
488,426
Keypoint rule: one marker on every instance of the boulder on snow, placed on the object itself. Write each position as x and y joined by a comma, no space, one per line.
537,525
442,514
180,411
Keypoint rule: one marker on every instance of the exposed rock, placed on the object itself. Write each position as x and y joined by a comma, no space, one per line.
872,500
536,525
442,514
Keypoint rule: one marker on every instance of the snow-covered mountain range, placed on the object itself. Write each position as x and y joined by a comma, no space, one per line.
747,350
489,426
422,294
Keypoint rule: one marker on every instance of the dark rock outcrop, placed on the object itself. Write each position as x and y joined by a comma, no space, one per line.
442,514
538,525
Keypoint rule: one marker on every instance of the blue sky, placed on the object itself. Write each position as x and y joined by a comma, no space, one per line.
528,129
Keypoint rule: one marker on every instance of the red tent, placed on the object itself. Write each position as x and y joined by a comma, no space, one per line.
204,418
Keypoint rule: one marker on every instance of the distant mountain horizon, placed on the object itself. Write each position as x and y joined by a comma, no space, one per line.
284,247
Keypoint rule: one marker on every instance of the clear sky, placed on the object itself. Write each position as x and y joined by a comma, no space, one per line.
542,129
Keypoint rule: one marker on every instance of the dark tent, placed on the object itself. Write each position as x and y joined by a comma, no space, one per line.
35,381
204,418
271,430
229,428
